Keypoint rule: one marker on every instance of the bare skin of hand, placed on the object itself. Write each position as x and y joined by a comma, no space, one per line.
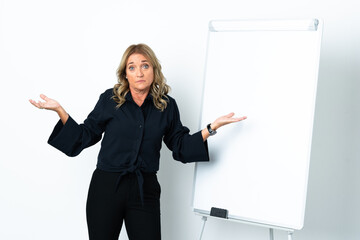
221,121
51,104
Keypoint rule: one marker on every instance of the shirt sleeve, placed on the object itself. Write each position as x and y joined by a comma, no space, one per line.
184,146
71,138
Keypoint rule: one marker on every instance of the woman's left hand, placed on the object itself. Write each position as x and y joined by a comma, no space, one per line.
221,121
226,119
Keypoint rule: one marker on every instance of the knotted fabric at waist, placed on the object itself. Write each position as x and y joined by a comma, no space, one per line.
139,176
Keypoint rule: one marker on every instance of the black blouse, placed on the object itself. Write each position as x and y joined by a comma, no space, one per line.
132,135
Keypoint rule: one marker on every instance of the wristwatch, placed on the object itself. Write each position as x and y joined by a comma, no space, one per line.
211,131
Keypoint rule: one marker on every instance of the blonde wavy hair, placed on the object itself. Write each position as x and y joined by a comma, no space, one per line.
158,88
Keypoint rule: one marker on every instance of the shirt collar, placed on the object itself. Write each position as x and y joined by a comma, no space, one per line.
128,97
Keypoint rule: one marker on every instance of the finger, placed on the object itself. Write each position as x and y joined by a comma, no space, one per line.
240,118
230,115
35,103
42,105
44,97
32,102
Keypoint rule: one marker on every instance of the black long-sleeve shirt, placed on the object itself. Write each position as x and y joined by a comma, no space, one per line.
133,135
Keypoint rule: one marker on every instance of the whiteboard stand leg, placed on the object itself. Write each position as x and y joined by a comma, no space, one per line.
271,234
290,235
203,226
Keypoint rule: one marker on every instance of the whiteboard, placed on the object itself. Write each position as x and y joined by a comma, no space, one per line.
267,71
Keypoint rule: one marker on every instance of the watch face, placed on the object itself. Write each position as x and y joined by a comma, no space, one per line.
211,132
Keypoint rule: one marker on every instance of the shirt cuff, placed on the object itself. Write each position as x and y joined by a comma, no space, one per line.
64,136
201,151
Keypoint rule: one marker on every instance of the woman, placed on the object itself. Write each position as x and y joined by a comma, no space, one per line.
135,117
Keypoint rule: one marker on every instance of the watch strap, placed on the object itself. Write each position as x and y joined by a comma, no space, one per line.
211,131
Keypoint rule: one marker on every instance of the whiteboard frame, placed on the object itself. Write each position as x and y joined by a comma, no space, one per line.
260,25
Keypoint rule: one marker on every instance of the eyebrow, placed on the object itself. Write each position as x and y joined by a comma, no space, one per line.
141,61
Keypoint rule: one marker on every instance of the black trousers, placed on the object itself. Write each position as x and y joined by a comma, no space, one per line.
108,206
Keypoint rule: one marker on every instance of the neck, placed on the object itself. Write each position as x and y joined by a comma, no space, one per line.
139,96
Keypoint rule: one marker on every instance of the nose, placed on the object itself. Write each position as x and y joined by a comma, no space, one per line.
139,73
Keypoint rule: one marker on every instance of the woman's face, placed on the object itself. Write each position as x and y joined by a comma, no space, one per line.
139,73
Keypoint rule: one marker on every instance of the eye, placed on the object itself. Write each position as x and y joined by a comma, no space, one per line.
145,66
131,68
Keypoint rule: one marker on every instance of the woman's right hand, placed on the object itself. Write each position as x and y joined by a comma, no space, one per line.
51,104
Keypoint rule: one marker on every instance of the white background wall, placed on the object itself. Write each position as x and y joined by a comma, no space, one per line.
70,50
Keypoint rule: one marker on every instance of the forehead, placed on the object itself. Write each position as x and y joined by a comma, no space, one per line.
136,58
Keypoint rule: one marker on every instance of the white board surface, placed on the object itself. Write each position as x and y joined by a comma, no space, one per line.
267,71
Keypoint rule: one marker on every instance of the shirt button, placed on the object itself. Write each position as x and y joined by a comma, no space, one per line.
140,126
